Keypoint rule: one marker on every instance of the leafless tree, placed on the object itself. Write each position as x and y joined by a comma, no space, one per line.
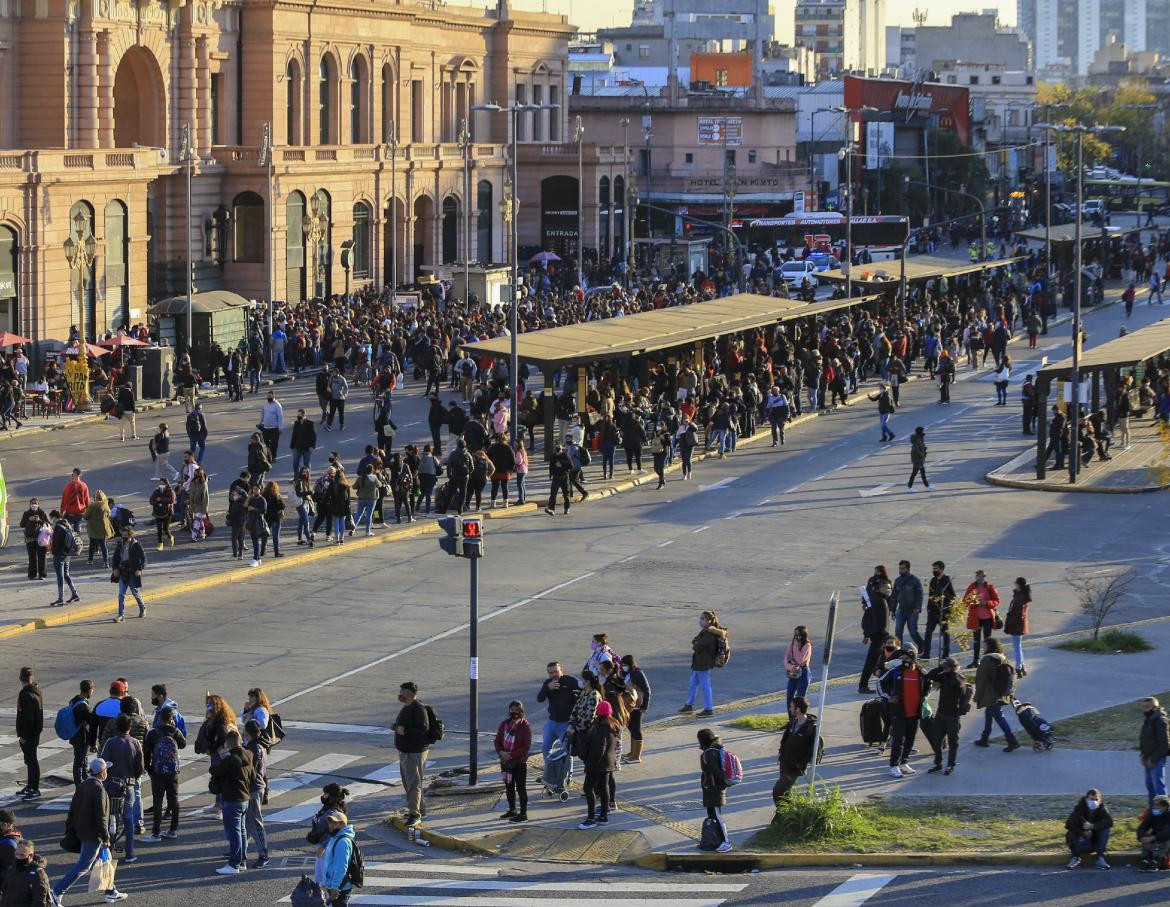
1099,589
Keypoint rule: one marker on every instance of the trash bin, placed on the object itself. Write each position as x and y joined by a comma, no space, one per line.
133,374
157,369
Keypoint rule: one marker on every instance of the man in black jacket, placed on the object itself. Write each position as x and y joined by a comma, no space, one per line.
30,722
232,778
411,729
304,442
89,817
559,467
85,740
875,627
561,692
940,594
945,723
796,747
1154,746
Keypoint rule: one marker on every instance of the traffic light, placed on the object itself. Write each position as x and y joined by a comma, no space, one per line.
471,533
453,543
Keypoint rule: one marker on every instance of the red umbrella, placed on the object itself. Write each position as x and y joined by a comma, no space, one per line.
7,339
122,340
96,351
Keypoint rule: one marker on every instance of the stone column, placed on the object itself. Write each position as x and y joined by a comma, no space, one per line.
105,92
87,85
203,95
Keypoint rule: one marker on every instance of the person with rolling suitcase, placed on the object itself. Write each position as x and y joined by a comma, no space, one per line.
994,682
1035,724
905,687
713,781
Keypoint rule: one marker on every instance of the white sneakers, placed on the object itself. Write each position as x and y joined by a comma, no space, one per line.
254,563
894,772
228,870
901,771
906,769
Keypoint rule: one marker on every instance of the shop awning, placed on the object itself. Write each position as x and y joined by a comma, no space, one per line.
920,267
1131,349
610,338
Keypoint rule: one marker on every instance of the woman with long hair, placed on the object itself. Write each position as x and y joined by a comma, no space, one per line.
199,500
797,660
513,742
306,506
218,720
1015,624
274,516
257,708
635,679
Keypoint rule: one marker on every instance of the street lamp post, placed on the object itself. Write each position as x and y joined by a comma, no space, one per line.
624,122
81,252
465,147
188,162
578,137
1047,126
847,153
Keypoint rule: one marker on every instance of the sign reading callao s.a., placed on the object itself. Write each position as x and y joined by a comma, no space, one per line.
908,103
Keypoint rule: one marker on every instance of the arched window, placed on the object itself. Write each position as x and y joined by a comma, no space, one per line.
292,114
450,229
483,221
9,274
358,92
325,89
603,216
361,241
619,217
294,247
248,242
116,259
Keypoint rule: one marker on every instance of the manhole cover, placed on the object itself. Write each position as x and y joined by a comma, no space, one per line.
677,806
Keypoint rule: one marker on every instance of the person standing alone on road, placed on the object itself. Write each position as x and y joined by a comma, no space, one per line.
129,560
704,653
1154,746
197,432
30,723
271,424
918,458
411,730
160,449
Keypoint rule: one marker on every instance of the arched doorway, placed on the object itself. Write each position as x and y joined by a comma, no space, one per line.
139,102
424,232
320,232
483,222
393,242
249,234
9,279
450,229
294,247
83,298
117,245
619,217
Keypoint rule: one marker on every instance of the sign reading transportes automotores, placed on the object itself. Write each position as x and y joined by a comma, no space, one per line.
913,103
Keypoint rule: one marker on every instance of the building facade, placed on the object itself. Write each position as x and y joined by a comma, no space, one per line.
846,35
970,38
364,128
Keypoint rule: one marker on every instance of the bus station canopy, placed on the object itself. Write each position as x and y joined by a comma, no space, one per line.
611,338
1131,349
1067,233
920,267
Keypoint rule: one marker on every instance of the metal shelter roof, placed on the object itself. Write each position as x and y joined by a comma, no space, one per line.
610,338
203,303
1066,233
1142,344
920,267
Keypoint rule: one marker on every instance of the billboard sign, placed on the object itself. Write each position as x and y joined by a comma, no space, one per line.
721,131
914,103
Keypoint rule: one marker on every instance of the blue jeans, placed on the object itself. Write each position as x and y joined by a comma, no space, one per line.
233,827
199,448
701,679
553,731
884,418
123,585
995,713
278,361
61,568
1018,649
338,528
85,860
365,515
301,458
521,491
797,686
1088,842
1156,780
908,619
131,815
304,529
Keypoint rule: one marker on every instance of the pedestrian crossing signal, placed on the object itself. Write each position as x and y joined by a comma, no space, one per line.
472,536
453,543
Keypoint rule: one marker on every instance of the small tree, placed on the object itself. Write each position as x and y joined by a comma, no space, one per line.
1160,468
1099,589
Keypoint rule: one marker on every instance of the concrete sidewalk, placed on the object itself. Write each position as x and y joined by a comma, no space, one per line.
660,809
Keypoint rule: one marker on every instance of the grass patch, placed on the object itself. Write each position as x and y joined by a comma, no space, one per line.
932,825
1111,642
1114,728
772,724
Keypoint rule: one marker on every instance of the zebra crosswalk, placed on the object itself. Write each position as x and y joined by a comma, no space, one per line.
436,884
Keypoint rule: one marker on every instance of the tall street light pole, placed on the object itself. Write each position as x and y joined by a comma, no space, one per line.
624,122
189,160
578,137
465,146
847,153
266,156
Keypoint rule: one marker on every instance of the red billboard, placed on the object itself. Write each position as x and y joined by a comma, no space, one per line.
912,103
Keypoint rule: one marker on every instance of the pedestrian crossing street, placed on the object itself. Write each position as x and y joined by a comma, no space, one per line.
435,884
297,770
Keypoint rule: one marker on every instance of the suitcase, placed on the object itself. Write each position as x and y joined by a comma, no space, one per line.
711,836
443,498
558,768
874,726
1034,723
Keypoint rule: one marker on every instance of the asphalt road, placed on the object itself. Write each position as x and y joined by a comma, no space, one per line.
763,537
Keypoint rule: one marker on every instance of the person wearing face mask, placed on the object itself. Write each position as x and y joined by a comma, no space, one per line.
875,629
32,521
1153,747
704,652
1153,833
947,716
1088,828
905,688
128,560
162,507
1015,624
410,739
906,601
796,662
513,742
713,783
940,595
25,883
994,684
599,652
982,601
796,747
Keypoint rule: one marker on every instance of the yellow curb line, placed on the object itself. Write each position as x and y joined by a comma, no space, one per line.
447,842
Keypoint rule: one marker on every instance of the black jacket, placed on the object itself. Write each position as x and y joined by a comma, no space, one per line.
561,700
711,778
415,722
136,560
1154,743
939,594
1099,818
196,426
600,752
235,775
30,712
152,739
26,884
304,435
950,696
875,620
89,812
796,746
1158,826
86,721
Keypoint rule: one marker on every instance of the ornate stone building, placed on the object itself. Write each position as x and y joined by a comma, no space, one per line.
100,92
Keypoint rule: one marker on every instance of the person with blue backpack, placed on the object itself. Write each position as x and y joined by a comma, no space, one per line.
163,762
160,701
76,723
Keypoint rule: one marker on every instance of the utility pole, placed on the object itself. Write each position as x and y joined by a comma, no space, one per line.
465,145
188,154
266,155
828,650
464,538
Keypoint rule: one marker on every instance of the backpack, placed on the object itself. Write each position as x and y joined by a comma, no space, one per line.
723,652
967,699
356,871
165,760
583,455
72,541
732,768
65,725
435,726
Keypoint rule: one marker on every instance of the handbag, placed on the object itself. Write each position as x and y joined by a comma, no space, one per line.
996,620
308,894
101,877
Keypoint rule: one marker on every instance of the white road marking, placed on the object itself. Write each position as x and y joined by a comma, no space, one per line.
598,887
855,891
876,490
439,900
309,773
459,628
428,866
664,544
338,728
732,516
700,529
377,781
722,483
625,559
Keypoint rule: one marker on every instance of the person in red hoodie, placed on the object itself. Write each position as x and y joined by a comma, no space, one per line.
982,601
74,500
513,741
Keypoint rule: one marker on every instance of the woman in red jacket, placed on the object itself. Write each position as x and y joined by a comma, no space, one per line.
982,601
513,741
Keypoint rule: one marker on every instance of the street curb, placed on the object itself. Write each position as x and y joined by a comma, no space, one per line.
447,842
749,861
995,478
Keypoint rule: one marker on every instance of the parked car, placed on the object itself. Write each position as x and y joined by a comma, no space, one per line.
793,273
